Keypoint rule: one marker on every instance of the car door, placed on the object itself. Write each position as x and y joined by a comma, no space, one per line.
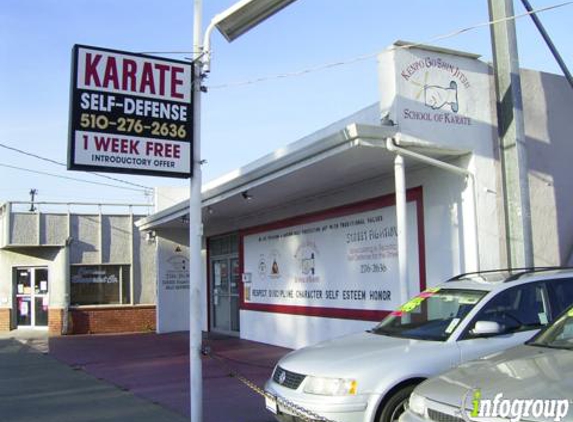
520,310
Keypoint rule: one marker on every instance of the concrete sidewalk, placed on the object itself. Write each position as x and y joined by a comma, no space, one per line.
124,378
37,387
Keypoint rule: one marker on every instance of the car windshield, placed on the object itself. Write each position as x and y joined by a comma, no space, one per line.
559,335
432,315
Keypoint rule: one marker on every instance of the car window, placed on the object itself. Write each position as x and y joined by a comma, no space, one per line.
558,335
520,308
562,294
433,315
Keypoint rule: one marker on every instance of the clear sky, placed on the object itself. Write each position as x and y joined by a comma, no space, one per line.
241,122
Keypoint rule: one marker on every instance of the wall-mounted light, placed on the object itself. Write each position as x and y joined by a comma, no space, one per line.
210,210
247,196
185,219
150,237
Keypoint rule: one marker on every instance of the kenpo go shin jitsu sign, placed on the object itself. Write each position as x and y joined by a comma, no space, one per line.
130,113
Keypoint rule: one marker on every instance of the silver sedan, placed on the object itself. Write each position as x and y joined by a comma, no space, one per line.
531,382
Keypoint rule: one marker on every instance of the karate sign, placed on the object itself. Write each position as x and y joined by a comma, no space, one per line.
130,113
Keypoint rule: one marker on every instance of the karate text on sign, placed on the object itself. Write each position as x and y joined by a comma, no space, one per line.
125,74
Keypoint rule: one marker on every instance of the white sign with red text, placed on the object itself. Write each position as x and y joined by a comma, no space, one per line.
133,75
130,113
347,263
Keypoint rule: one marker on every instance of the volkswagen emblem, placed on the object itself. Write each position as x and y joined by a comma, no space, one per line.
282,377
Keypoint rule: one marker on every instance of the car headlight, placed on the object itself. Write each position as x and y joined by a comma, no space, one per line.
417,404
330,386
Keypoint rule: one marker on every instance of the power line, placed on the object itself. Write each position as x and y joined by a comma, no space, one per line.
68,177
263,79
169,52
145,189
49,160
393,48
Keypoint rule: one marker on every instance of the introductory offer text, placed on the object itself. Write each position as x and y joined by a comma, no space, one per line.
130,113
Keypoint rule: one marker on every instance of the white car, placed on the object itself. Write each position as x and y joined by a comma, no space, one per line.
368,377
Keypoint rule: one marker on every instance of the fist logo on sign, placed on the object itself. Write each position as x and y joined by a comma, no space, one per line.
437,97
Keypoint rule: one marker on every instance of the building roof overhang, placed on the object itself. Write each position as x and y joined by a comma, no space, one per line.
305,169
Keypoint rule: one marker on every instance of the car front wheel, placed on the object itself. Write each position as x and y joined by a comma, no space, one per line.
396,405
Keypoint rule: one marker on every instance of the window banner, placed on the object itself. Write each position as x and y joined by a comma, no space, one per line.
172,286
347,263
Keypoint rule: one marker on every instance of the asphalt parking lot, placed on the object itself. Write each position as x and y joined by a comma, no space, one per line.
125,378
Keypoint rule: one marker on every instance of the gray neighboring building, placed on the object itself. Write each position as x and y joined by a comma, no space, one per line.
75,273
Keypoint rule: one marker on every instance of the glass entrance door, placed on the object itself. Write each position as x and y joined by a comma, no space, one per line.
225,279
31,297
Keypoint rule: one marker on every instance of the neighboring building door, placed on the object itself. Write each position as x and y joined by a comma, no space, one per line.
31,288
225,278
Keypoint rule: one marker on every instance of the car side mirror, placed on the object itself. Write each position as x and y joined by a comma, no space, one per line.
483,328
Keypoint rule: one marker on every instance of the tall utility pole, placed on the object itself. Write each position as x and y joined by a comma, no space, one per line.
511,131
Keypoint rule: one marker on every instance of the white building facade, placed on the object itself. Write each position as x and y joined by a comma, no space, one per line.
327,235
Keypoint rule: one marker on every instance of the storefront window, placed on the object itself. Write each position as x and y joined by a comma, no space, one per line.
224,245
100,284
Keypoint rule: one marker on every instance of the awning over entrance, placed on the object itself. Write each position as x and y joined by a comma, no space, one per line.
338,166
303,170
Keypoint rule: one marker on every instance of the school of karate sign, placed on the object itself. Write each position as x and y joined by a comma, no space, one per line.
130,113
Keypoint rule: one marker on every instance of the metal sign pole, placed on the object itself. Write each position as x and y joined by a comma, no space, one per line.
236,20
196,233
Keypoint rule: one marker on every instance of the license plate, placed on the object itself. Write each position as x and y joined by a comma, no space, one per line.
271,404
